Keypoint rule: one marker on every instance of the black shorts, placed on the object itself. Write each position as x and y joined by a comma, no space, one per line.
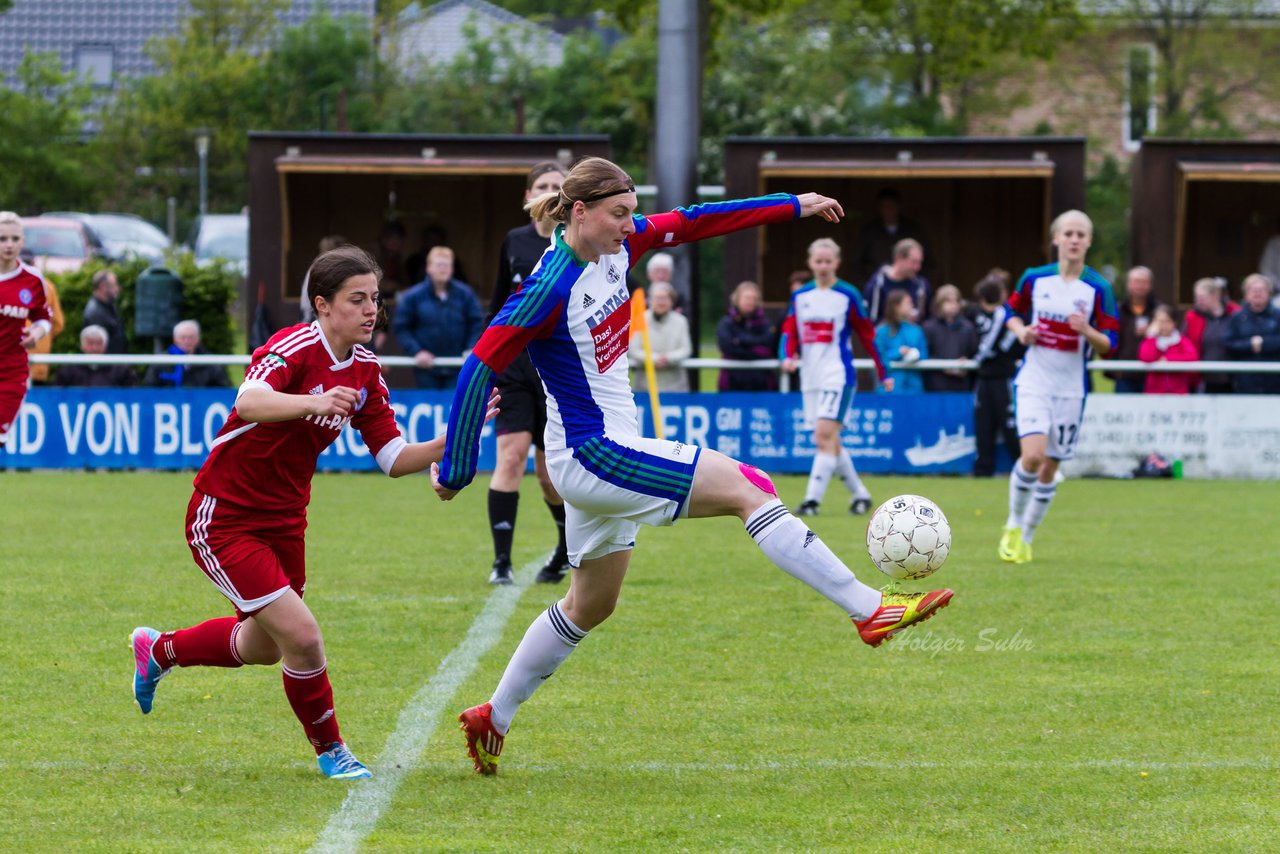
524,402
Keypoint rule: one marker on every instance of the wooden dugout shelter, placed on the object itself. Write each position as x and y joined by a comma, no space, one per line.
304,186
1203,208
982,203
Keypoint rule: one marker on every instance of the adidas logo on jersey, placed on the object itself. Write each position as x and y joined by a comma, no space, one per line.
317,390
587,301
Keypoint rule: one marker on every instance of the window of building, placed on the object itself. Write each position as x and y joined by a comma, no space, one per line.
1140,102
95,63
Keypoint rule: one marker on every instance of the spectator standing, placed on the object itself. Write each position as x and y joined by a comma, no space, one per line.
40,373
1253,335
878,238
1165,344
798,279
950,335
1135,316
101,310
998,356
1205,325
21,305
186,342
903,274
900,339
669,342
93,342
437,317
1269,263
745,334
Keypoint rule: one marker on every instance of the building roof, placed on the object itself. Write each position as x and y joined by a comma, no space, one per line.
84,32
436,35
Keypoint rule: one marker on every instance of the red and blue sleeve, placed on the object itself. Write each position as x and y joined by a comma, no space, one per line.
531,312
789,340
1106,317
1019,302
699,222
860,324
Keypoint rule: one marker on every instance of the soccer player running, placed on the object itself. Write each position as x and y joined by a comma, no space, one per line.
822,317
524,403
573,316
21,299
1060,312
248,514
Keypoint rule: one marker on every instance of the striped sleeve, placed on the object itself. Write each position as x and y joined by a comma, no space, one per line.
1020,300
1106,316
788,341
531,312
860,324
699,222
272,365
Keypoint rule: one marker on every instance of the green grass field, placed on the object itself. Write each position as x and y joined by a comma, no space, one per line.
1119,694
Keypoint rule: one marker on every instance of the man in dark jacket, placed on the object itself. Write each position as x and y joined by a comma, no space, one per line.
186,342
1135,315
101,310
1253,335
903,274
437,317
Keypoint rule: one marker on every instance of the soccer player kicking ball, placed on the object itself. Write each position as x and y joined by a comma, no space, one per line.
1060,312
573,316
246,520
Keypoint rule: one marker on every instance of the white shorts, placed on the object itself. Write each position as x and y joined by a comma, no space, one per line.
1056,417
831,404
611,488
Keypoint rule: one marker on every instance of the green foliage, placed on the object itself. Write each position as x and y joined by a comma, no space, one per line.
45,165
207,295
1107,201
315,65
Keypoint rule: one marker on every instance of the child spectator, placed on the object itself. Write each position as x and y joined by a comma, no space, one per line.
1165,344
899,339
951,335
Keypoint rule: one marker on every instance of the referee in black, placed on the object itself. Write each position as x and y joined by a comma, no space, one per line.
523,414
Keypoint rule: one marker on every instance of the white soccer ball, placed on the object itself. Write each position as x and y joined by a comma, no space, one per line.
908,537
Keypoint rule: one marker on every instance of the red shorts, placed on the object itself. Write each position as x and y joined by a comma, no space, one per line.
251,556
11,396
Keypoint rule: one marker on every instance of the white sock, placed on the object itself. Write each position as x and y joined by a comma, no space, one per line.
796,550
824,465
1020,483
1041,497
545,646
848,474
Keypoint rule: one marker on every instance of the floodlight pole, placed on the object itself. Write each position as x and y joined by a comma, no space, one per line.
677,130
202,150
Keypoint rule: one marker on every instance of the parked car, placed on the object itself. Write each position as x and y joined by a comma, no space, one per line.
122,235
222,238
59,245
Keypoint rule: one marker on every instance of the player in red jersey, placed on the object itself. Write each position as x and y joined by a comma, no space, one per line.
21,299
246,520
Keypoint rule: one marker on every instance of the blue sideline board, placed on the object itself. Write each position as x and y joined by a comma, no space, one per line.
76,428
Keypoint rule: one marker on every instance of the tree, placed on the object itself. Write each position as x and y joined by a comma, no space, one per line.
1208,54
41,121
320,75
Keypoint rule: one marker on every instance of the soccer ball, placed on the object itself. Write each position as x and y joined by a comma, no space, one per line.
908,537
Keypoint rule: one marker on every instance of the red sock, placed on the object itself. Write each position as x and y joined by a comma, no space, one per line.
210,644
311,697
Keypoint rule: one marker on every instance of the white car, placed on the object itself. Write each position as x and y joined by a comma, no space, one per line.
222,238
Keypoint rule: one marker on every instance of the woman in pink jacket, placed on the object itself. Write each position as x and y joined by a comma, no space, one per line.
1165,344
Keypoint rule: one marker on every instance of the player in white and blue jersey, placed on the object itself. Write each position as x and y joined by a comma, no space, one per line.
1061,312
817,337
573,316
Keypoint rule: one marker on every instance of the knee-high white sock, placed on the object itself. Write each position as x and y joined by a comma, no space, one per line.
848,474
1020,483
545,646
1041,497
796,550
824,465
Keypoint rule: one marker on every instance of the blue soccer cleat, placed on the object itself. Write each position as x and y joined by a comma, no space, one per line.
146,673
338,763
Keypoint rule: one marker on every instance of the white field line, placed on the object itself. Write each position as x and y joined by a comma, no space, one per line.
369,798
769,766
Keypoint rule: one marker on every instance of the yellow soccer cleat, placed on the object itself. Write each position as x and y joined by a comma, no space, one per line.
1010,541
897,611
1023,554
